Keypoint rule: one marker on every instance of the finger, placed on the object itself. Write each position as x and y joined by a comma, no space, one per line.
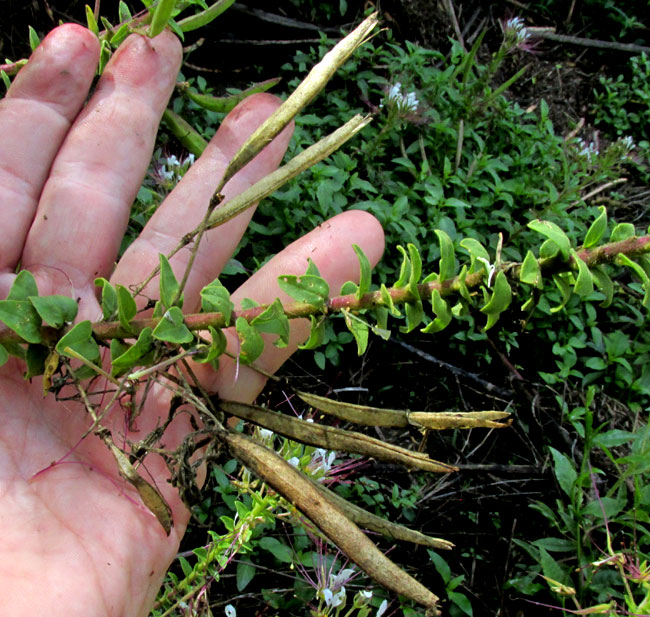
85,204
35,116
329,246
186,206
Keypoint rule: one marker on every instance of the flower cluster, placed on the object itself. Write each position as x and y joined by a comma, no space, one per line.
167,171
516,35
405,102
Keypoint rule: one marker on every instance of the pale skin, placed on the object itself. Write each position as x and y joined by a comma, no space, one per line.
74,540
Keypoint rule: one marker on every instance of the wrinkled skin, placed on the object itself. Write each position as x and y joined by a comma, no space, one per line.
76,541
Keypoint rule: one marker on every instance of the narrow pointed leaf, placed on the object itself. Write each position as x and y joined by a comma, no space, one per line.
109,298
442,312
530,272
168,284
597,229
126,307
316,334
365,272
584,284
359,329
447,266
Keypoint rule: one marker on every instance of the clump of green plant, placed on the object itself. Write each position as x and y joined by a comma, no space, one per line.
474,188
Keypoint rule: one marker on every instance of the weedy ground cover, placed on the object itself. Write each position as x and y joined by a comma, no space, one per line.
458,174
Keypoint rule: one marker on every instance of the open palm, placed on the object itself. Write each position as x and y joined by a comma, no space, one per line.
75,538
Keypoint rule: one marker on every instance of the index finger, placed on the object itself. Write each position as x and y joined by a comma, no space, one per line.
35,116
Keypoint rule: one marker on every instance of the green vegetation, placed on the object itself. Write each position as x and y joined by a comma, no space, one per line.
497,249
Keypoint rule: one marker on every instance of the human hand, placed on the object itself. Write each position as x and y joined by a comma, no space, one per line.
75,541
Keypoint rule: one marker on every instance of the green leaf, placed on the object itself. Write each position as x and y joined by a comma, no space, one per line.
565,472
604,284
124,12
416,271
55,310
307,288
35,357
22,318
168,285
405,269
5,79
91,21
548,250
584,284
133,355
349,288
4,355
224,104
447,255
414,316
564,286
461,601
597,229
23,287
215,298
205,17
172,329
80,339
622,231
118,38
274,321
126,308
552,569
387,301
312,269
216,348
641,273
161,16
245,574
365,272
477,253
251,343
34,41
499,301
531,273
554,233
109,298
316,334
359,329
443,313
280,551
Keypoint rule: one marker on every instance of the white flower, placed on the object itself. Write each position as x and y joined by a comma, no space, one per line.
230,611
366,593
189,161
338,598
515,28
342,577
172,161
321,459
327,596
382,608
294,461
266,434
405,102
587,150
167,175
